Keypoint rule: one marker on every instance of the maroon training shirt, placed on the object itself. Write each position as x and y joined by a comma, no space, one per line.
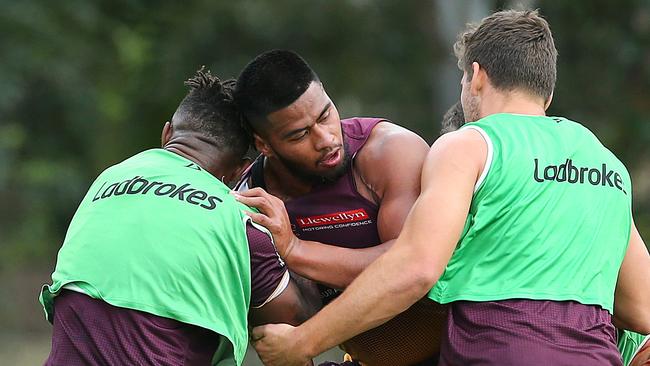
333,212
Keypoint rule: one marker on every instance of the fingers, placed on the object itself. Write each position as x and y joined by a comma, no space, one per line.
254,192
259,199
261,203
261,219
258,333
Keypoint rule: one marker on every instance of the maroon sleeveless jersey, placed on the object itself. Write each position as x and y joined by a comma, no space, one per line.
332,212
335,213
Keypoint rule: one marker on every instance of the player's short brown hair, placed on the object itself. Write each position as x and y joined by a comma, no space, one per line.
516,50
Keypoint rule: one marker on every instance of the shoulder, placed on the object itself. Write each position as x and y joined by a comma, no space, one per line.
388,139
470,137
464,148
392,156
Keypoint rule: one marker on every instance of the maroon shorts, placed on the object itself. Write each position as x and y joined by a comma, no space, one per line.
527,332
91,332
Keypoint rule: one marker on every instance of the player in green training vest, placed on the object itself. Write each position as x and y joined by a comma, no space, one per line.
160,264
523,226
629,343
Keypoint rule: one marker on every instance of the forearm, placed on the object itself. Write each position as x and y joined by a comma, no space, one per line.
331,265
365,304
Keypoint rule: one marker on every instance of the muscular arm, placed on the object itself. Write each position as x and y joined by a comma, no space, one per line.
333,266
289,307
632,297
275,296
407,271
389,167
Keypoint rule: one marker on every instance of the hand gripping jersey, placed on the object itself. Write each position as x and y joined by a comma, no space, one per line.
336,214
158,234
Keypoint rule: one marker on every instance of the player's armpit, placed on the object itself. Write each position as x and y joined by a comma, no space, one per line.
632,297
291,306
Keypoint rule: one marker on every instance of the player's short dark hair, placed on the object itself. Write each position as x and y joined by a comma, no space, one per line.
453,119
272,81
515,48
209,108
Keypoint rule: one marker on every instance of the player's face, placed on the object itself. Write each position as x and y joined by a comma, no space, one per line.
471,107
306,136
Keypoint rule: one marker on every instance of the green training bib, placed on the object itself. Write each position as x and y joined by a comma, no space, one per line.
549,220
159,234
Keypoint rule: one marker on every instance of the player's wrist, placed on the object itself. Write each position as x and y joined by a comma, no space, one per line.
305,344
293,244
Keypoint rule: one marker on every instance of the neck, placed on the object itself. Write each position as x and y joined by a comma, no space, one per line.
514,102
199,152
281,182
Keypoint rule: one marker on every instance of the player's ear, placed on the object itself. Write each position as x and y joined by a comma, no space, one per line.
548,101
478,78
166,134
262,146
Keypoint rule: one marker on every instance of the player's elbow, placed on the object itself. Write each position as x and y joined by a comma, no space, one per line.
644,324
640,325
417,273
424,277
641,318
636,318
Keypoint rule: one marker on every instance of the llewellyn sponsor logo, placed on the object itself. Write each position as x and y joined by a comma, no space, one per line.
139,185
333,218
569,173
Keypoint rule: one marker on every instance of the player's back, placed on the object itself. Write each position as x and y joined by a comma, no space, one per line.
146,220
538,259
552,210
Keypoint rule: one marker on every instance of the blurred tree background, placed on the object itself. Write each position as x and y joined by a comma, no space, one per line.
86,84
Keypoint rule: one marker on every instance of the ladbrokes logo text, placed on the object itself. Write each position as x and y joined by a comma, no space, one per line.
570,173
139,185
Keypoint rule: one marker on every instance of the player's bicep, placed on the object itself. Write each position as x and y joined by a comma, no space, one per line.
439,214
288,307
275,297
402,157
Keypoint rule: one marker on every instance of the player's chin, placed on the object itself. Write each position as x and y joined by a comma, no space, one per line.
335,173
